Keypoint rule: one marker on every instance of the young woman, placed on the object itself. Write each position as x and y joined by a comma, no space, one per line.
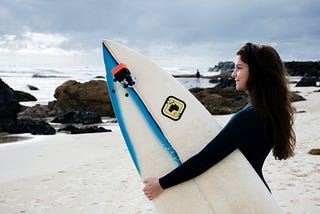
263,125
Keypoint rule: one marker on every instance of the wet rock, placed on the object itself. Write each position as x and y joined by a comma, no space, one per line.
33,126
224,80
83,130
23,96
99,77
78,117
36,111
9,107
32,88
308,81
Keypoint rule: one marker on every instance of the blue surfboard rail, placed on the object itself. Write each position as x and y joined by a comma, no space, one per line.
110,63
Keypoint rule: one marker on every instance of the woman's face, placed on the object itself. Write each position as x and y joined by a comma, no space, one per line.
241,74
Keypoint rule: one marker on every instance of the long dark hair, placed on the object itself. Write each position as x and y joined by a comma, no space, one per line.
269,94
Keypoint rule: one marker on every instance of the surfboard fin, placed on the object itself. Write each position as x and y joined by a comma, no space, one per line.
122,74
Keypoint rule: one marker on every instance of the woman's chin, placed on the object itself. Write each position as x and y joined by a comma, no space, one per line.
239,88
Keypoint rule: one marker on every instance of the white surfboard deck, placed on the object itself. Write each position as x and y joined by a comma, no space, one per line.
163,124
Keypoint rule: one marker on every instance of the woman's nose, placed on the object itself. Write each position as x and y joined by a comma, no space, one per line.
233,74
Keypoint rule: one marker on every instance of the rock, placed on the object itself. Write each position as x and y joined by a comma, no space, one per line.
314,152
36,111
32,88
48,76
90,96
308,81
99,77
227,100
299,112
226,82
223,80
33,126
9,107
223,67
78,117
307,68
23,96
221,101
91,129
296,97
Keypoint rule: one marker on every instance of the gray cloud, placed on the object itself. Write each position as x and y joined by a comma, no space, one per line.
183,28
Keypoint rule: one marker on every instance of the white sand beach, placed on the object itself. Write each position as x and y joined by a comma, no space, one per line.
93,173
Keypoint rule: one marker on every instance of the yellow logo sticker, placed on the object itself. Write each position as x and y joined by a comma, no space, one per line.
173,108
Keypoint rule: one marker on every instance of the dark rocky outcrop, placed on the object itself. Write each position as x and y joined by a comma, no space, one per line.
23,96
308,81
78,117
223,67
9,120
9,107
33,126
306,68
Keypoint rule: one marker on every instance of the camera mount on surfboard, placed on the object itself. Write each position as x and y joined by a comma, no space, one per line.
122,74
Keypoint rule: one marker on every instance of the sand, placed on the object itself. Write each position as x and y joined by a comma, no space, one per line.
93,173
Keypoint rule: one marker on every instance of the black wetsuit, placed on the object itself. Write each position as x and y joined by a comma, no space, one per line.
245,131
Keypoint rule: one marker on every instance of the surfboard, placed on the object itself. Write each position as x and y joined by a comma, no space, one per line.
163,125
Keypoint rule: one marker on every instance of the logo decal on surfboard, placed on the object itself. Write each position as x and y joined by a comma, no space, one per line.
173,108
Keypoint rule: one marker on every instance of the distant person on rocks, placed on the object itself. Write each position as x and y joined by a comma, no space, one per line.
198,79
263,125
198,74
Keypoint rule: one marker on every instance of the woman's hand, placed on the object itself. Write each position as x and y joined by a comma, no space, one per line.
152,188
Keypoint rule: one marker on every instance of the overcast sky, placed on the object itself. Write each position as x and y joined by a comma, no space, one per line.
181,33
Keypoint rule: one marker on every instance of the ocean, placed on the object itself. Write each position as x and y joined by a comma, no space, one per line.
47,80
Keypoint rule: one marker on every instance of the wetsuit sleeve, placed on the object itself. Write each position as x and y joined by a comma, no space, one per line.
228,140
